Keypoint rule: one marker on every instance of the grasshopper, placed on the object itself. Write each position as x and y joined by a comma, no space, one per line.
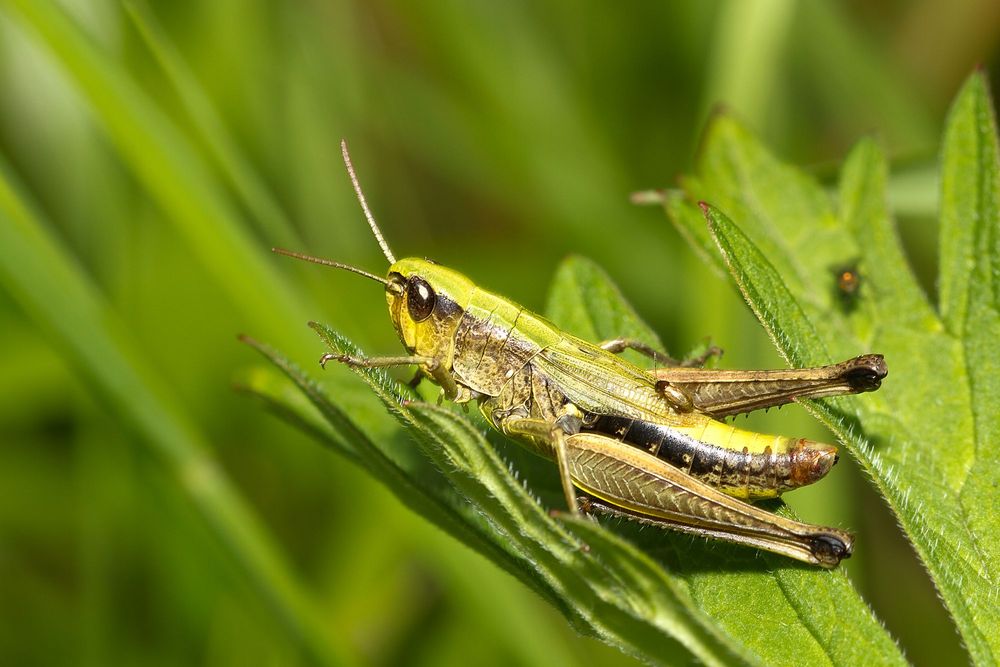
643,444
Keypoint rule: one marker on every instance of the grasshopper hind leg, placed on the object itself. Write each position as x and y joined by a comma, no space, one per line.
826,547
629,483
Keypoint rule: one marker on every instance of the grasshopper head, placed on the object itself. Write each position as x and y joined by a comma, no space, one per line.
425,300
425,305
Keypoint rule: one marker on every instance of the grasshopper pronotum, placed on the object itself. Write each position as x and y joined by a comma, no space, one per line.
637,443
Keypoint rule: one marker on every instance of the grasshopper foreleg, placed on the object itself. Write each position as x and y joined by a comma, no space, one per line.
377,362
426,365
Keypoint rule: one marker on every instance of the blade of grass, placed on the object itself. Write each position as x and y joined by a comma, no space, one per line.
165,162
857,80
267,212
60,297
746,57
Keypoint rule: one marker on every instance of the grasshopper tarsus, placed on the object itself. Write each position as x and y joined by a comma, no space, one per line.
865,373
699,361
343,359
562,514
618,345
830,549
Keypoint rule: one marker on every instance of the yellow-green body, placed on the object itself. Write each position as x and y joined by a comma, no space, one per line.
639,443
515,363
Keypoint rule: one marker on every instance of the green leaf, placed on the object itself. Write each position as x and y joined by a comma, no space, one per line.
978,485
168,165
817,615
930,438
675,595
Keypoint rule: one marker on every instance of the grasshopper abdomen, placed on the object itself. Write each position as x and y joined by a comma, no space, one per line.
763,467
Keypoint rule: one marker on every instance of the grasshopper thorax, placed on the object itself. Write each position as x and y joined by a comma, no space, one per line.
426,302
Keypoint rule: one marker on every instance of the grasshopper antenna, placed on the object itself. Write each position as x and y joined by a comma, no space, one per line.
364,204
329,262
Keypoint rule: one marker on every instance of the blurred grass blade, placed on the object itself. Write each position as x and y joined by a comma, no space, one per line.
267,212
930,438
52,289
746,57
864,209
843,57
287,402
167,164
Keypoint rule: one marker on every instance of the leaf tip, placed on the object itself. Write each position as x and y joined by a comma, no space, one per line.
977,83
710,213
251,341
718,111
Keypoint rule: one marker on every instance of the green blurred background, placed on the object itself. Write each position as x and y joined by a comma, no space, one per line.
166,146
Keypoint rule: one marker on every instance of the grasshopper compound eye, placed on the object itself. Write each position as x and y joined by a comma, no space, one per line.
420,299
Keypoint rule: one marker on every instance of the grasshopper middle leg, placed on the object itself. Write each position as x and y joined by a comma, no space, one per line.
618,345
552,436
